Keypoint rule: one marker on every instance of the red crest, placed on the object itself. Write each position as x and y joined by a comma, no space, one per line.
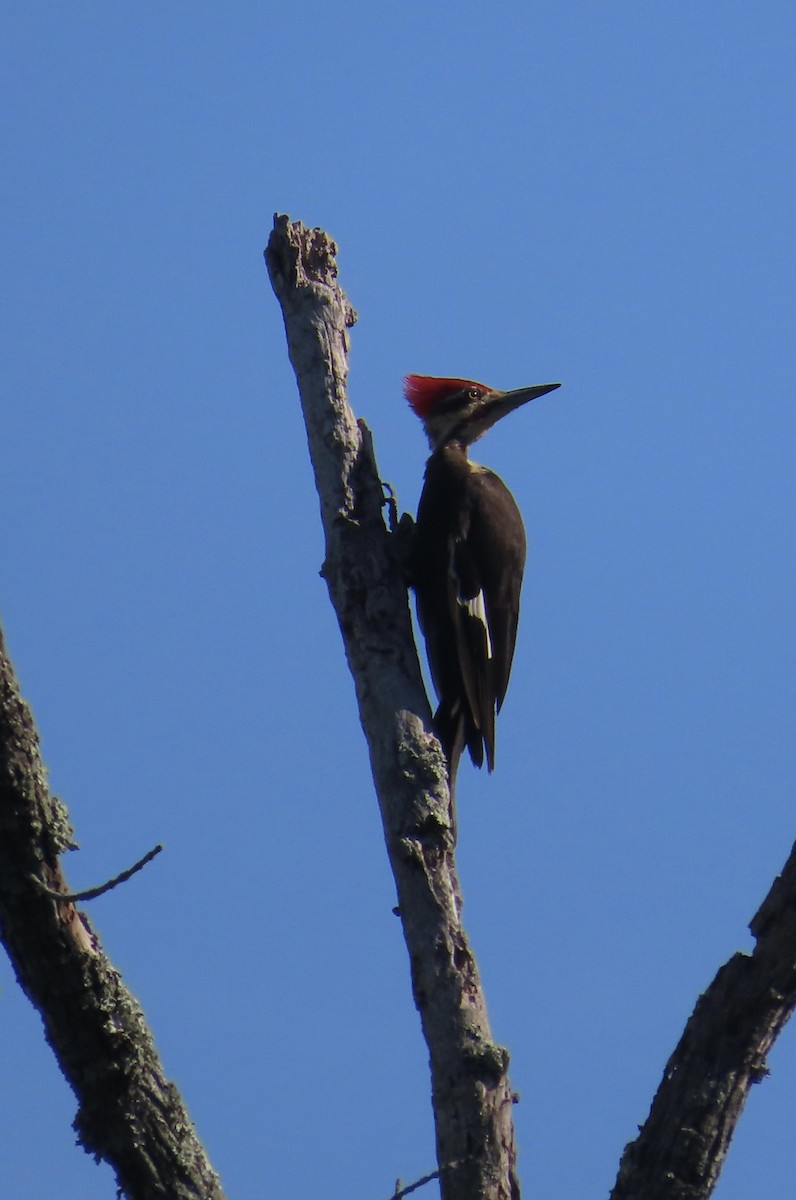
424,392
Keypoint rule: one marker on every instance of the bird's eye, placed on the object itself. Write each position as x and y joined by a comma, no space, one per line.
474,394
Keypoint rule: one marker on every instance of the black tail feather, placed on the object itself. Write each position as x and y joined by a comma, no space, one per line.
451,729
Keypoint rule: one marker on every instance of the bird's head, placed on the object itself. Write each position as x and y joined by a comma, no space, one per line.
460,409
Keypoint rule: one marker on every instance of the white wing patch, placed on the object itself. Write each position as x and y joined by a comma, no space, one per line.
475,608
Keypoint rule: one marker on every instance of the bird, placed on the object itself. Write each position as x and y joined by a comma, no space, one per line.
466,563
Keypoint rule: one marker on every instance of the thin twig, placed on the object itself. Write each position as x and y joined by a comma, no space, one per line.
400,1192
92,893
412,1187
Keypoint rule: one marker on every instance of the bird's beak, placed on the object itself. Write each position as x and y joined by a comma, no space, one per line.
499,404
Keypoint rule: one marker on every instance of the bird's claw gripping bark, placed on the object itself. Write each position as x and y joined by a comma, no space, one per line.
391,504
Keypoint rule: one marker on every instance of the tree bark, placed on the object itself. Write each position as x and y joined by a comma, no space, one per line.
128,1114
681,1148
471,1094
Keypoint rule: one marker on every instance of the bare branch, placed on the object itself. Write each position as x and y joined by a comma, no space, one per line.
401,1191
681,1148
102,888
471,1093
128,1112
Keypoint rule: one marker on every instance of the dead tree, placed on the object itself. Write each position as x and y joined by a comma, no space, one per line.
129,1114
363,569
680,1150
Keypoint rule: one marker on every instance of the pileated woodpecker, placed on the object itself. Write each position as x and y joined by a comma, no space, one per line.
467,561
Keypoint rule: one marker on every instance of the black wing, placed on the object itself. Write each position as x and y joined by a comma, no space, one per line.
468,565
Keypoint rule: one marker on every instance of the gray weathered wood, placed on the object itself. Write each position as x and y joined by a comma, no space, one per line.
471,1092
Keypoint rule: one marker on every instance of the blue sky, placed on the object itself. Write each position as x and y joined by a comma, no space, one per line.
597,193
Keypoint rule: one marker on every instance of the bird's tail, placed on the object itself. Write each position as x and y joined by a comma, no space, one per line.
450,728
